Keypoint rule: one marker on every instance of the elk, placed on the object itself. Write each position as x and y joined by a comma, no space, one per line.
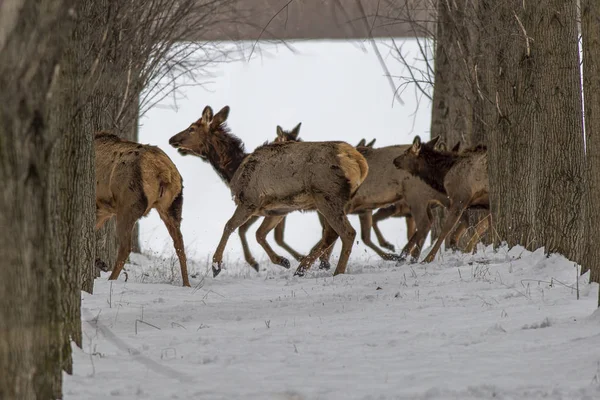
131,180
282,136
279,178
462,176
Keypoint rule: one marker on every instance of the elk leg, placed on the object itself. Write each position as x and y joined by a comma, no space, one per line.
347,234
242,230
327,241
172,220
380,215
480,228
261,237
279,230
366,221
454,214
326,255
125,223
101,218
411,226
459,230
422,216
240,216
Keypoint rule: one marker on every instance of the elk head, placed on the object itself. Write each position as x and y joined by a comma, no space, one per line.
412,160
195,139
288,136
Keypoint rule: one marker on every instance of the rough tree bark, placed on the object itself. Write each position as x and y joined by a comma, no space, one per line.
455,111
34,332
561,208
535,145
590,26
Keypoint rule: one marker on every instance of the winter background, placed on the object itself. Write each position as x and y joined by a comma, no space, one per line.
509,324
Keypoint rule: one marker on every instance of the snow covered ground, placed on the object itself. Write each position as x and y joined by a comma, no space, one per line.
505,325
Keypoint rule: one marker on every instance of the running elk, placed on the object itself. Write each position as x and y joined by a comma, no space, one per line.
462,176
132,179
279,178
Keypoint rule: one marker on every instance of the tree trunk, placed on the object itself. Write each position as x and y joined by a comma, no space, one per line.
34,346
455,114
561,207
590,26
535,146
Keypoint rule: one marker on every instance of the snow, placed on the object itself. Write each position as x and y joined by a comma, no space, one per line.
503,324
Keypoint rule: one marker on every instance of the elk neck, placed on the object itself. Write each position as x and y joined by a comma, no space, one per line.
225,153
436,167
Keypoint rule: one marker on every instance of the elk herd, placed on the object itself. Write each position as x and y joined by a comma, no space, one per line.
332,178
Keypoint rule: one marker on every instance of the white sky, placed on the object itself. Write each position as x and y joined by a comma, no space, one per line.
336,89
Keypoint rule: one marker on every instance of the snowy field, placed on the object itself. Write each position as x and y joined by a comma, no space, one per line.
503,325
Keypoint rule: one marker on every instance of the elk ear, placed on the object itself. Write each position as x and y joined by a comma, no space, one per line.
416,146
280,133
433,142
221,116
296,131
207,114
371,143
456,147
361,143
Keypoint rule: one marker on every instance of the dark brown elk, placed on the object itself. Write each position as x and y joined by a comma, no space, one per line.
462,176
131,180
279,178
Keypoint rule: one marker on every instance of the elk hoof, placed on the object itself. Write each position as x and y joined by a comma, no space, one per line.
400,260
300,272
255,266
336,272
216,268
325,265
285,263
388,246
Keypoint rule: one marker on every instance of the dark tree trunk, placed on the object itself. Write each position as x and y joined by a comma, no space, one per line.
535,146
590,26
455,111
561,208
37,289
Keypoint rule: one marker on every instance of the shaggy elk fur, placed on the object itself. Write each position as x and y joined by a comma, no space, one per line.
462,176
279,178
132,179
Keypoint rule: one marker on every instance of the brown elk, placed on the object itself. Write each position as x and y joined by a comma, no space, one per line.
279,178
386,185
462,176
282,136
131,180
